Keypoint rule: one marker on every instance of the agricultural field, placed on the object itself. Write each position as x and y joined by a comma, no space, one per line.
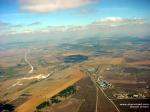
57,79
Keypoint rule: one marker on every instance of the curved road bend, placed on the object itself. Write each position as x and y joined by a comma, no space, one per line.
28,62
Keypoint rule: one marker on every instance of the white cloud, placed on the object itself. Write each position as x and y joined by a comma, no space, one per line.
51,5
111,19
120,20
103,27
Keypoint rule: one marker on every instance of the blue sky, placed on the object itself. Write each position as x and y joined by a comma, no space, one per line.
11,11
39,18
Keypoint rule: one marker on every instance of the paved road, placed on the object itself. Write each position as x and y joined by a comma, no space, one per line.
96,108
103,103
110,100
101,90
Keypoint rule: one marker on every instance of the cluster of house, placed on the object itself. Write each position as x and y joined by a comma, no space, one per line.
104,84
128,95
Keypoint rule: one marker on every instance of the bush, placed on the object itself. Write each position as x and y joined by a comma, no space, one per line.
42,105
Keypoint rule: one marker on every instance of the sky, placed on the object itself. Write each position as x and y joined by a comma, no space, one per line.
43,17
